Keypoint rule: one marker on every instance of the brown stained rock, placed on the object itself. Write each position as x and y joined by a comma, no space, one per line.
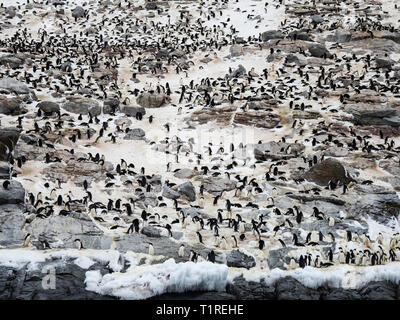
257,119
323,172
222,115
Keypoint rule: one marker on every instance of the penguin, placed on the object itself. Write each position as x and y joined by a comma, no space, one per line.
6,184
211,256
331,222
193,256
181,251
151,249
27,240
200,237
292,264
235,244
79,244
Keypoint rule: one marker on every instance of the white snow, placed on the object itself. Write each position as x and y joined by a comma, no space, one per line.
142,282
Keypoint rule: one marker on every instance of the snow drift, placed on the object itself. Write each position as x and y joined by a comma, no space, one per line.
142,282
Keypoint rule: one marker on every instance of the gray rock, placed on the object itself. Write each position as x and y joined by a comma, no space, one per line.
271,34
12,60
5,169
151,232
14,194
132,111
12,221
384,63
169,193
215,185
291,289
379,290
238,259
236,50
240,71
78,12
277,150
61,231
187,191
316,18
250,290
323,172
110,106
48,107
14,85
319,50
185,173
12,106
339,36
135,134
84,106
152,100
277,257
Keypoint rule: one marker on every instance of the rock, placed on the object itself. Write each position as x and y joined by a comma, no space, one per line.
380,206
339,36
12,60
187,191
9,137
236,50
110,106
215,185
132,111
371,114
288,288
323,172
192,212
379,290
277,150
384,63
14,194
257,119
319,51
151,232
61,231
48,107
277,257
11,106
135,134
5,168
169,193
12,220
240,71
294,59
78,12
186,173
300,35
151,6
152,100
238,259
316,18
81,105
14,86
271,34
250,290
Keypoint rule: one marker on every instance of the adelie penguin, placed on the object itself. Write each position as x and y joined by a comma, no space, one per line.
79,244
181,251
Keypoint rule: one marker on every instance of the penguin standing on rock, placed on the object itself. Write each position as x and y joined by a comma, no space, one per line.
79,244
181,251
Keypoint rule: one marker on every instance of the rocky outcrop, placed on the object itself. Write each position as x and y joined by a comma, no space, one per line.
152,100
187,191
135,134
12,106
81,105
48,107
216,185
277,150
325,171
238,259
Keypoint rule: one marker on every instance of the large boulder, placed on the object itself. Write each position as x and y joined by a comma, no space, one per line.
81,105
11,106
110,105
14,86
135,134
14,194
132,111
169,193
48,107
323,172
61,231
215,185
236,50
78,12
277,150
152,100
12,220
319,50
187,191
238,259
272,34
12,60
